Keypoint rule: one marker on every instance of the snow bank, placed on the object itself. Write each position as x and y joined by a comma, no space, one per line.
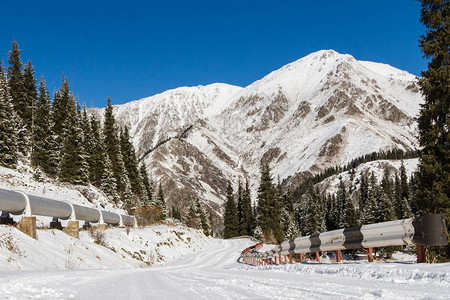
396,272
54,249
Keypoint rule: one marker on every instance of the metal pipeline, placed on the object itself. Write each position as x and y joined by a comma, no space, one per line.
16,203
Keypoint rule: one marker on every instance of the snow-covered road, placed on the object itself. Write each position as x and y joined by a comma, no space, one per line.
216,274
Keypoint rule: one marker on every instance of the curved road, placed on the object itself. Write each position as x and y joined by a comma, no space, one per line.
216,274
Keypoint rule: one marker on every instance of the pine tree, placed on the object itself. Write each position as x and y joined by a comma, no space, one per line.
29,96
16,91
147,183
112,146
161,202
130,161
88,138
385,208
16,85
330,212
230,219
341,199
127,195
143,198
363,195
387,184
8,136
289,222
404,182
73,167
97,155
108,185
397,197
269,208
276,213
370,210
247,213
240,208
192,218
44,154
351,217
204,222
406,209
433,190
315,218
63,104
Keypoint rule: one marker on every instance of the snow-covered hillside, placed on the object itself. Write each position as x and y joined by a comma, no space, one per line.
331,184
141,247
23,179
216,273
319,111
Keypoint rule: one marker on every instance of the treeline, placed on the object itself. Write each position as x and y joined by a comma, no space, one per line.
196,217
366,202
61,140
278,217
273,219
395,154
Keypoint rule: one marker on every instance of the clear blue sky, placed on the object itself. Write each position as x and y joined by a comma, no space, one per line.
133,49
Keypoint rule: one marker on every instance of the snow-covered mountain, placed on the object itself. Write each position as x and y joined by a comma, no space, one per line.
319,111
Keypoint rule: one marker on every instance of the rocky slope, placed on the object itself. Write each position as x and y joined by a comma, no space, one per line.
319,111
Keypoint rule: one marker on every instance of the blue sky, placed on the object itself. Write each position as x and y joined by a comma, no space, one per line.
133,49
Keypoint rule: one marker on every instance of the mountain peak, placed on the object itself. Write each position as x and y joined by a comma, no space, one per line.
322,110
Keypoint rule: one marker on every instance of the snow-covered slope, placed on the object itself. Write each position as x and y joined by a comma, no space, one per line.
319,111
54,249
331,184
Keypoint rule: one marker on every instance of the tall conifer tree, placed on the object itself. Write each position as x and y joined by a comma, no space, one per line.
147,183
15,81
44,152
112,146
97,153
433,192
230,219
8,136
247,214
30,96
73,167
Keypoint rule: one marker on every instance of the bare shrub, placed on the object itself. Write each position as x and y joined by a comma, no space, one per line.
7,242
150,214
98,236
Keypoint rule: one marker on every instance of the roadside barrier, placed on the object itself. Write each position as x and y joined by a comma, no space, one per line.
427,230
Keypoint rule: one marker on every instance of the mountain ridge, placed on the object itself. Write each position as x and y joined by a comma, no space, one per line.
321,110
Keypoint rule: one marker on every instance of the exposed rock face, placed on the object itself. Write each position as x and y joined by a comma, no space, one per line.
322,110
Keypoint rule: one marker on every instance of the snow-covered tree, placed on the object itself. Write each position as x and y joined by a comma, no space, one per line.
108,185
8,136
161,202
230,219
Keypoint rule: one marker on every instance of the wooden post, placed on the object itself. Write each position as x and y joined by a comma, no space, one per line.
28,226
301,257
290,258
279,260
369,254
420,254
317,257
338,255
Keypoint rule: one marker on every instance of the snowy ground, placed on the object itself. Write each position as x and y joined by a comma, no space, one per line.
142,247
216,273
